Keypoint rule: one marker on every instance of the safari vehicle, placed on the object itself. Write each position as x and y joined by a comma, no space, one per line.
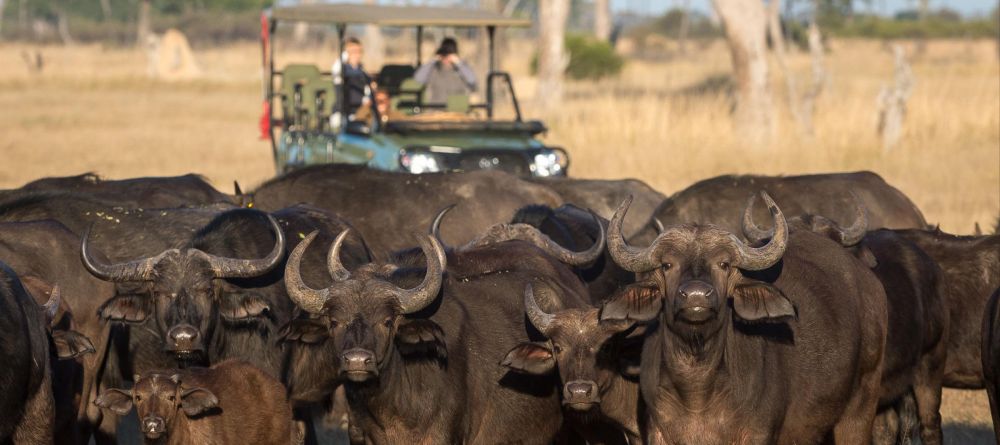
309,124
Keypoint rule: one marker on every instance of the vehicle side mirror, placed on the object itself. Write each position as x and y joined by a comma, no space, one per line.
359,128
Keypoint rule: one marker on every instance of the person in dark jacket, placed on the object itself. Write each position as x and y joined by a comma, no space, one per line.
446,75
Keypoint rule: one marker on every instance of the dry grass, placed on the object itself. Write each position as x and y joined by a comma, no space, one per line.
94,110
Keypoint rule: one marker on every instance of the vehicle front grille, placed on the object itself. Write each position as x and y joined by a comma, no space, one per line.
514,163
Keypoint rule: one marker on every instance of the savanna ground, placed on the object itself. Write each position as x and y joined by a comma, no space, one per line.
665,122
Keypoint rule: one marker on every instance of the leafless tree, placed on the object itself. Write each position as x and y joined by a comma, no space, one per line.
802,108
552,60
892,101
374,45
745,23
143,29
682,30
106,9
602,19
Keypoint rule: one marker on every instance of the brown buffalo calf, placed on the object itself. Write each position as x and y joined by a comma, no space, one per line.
229,403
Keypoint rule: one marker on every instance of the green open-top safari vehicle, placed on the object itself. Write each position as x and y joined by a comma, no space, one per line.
309,123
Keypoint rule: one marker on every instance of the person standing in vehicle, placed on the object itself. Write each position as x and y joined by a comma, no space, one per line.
446,75
354,74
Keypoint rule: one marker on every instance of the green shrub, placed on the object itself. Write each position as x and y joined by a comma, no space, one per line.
589,59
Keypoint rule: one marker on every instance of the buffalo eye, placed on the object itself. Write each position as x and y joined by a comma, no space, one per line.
333,323
138,398
388,321
667,266
171,398
556,348
724,265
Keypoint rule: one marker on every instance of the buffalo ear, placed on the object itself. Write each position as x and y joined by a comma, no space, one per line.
530,358
760,301
421,336
125,308
304,331
117,400
637,302
71,344
197,401
242,308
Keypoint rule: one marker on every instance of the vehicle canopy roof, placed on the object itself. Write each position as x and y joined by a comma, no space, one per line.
393,15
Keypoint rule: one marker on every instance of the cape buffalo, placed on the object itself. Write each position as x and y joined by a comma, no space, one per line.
971,268
781,343
149,192
602,196
720,200
419,358
590,357
991,356
27,411
229,403
382,203
916,341
46,254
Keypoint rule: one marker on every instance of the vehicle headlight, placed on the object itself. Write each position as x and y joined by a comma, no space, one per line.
549,163
420,162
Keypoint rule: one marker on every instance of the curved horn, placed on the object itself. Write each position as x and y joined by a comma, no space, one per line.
136,270
337,270
435,230
628,257
526,232
415,299
309,299
759,258
856,232
658,225
224,267
51,307
751,230
538,318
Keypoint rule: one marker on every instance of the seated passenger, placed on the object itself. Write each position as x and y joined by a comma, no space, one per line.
446,75
383,105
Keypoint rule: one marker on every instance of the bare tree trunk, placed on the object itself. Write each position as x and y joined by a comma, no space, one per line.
682,32
22,15
818,73
374,45
482,62
62,25
923,7
602,19
143,30
892,101
745,23
778,46
106,10
1,15
301,30
552,60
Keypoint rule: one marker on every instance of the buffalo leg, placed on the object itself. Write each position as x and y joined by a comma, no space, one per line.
928,394
855,425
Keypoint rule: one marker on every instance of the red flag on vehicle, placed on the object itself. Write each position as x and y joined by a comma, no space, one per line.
265,121
265,47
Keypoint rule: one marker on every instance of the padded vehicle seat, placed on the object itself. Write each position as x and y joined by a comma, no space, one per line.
391,77
292,75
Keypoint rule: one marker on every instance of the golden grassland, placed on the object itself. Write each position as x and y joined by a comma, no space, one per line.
94,109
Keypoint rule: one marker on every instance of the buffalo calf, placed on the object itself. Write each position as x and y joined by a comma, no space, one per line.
229,403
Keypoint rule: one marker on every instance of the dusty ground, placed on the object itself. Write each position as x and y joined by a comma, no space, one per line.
94,109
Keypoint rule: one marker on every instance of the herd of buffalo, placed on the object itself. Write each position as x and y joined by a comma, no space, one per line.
483,308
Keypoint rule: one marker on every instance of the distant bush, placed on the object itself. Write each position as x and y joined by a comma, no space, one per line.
589,58
934,26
